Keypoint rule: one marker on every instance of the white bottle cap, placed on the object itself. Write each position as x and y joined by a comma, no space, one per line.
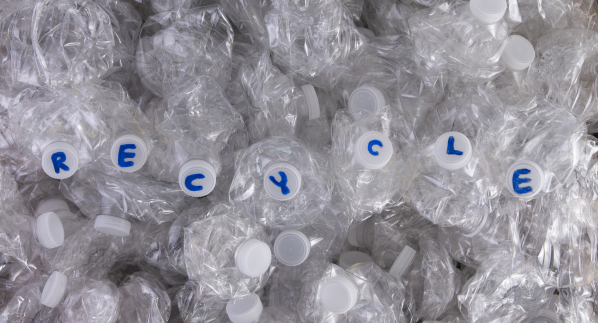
488,11
365,100
451,160
352,237
138,154
55,205
112,225
313,105
291,247
197,178
525,179
244,309
253,258
54,289
338,294
366,32
402,262
350,258
373,150
282,191
50,232
519,53
65,156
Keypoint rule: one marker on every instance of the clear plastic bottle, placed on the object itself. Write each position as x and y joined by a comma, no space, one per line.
82,299
464,37
281,181
176,47
235,254
372,158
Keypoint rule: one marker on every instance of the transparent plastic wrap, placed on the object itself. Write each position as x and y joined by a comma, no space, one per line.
407,246
144,300
565,70
244,54
73,41
372,158
457,180
309,37
363,293
159,6
177,47
60,130
468,41
195,122
537,149
281,182
505,289
226,253
162,246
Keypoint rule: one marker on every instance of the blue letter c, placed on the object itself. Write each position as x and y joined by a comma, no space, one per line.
189,182
373,143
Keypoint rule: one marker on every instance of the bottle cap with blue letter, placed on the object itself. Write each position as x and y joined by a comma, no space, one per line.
129,153
60,160
452,150
373,150
197,178
282,181
365,100
525,179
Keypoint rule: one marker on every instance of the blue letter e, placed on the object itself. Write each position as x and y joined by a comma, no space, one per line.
517,180
122,154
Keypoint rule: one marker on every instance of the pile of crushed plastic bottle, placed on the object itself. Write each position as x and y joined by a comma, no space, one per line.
308,161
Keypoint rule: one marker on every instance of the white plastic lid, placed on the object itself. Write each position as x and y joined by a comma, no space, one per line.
453,150
253,258
129,153
402,262
352,237
50,232
197,178
55,205
525,179
519,53
112,225
291,247
244,309
54,289
313,105
365,100
373,150
282,181
366,32
488,11
338,294
60,160
350,258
